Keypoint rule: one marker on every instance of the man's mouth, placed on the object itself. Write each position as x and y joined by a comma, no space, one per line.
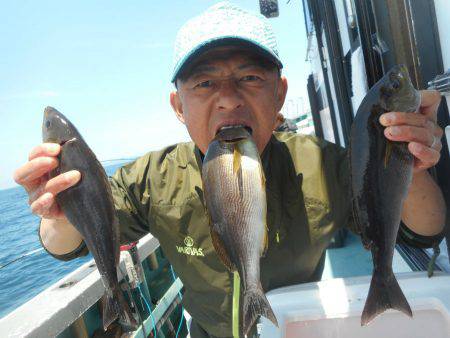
233,133
225,127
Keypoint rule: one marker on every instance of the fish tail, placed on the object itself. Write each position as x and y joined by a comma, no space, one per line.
256,304
126,316
110,309
116,306
384,293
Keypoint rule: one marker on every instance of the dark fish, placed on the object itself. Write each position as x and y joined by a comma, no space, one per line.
90,208
381,172
235,196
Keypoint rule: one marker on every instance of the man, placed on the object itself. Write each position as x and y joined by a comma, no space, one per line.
228,72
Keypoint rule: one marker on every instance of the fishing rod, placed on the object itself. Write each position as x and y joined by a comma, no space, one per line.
119,159
20,257
441,83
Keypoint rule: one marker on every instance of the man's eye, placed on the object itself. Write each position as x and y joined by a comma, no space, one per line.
250,78
204,84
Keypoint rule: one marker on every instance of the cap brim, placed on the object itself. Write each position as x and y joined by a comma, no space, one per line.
225,41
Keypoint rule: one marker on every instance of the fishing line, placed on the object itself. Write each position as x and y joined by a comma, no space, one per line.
149,310
132,300
182,309
129,259
20,257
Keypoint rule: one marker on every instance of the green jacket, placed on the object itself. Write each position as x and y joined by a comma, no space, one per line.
307,201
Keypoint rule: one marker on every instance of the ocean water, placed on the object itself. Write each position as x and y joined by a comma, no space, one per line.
37,270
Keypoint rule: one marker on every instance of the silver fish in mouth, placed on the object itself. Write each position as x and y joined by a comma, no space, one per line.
235,197
381,173
89,207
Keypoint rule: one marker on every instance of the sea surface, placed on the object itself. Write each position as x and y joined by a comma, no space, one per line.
33,269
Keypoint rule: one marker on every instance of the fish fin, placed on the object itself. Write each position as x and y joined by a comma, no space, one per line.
126,316
263,177
436,253
220,250
384,293
361,228
116,240
388,153
266,241
115,306
110,310
255,304
236,160
266,227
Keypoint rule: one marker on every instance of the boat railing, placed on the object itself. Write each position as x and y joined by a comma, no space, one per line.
63,304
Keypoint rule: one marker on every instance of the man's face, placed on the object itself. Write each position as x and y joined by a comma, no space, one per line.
228,86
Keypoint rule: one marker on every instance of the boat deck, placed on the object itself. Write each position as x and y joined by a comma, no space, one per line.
353,260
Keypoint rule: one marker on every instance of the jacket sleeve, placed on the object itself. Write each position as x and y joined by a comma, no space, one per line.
338,168
409,237
130,190
80,251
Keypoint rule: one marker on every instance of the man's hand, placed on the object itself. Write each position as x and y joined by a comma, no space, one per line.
33,176
420,130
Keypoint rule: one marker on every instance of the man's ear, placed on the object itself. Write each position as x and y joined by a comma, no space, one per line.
281,92
177,107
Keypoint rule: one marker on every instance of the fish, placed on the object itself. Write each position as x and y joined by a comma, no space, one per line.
381,173
90,209
235,198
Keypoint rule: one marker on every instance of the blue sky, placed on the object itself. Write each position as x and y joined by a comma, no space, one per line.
106,65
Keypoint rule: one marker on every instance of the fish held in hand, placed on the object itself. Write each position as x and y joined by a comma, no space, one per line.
89,207
381,173
234,187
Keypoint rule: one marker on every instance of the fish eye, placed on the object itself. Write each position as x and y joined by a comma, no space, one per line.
47,124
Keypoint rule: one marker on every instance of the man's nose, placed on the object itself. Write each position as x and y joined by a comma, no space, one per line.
229,96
